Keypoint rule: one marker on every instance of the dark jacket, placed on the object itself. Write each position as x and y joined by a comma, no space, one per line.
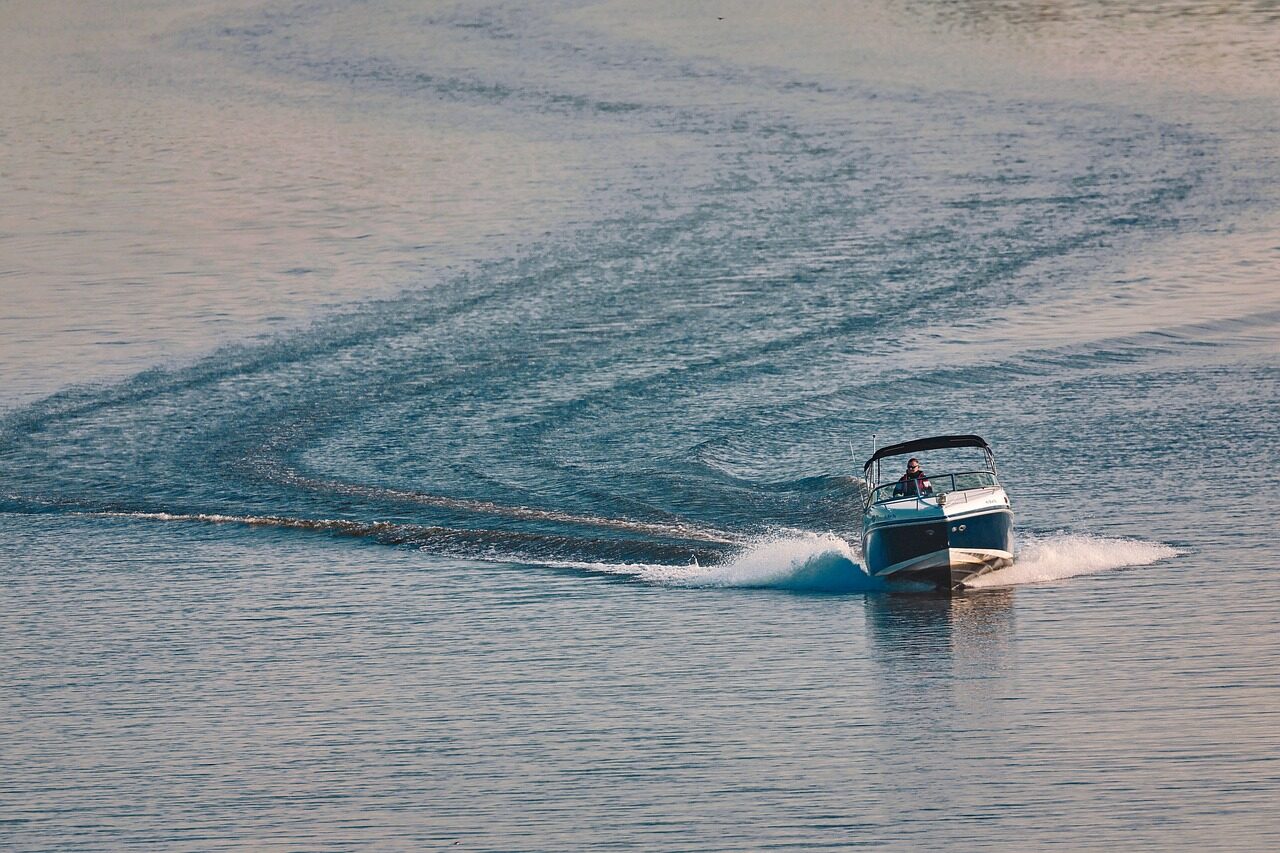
910,485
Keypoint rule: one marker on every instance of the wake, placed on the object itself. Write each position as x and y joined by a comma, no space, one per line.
799,561
1057,556
676,530
789,560
796,561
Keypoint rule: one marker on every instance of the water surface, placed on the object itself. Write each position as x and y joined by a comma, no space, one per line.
437,426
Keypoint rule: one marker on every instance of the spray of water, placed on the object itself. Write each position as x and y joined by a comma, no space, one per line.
1056,556
792,560
823,562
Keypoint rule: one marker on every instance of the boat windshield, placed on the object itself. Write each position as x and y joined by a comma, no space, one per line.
938,484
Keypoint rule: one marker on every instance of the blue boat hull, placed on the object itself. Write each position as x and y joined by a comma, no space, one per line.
943,552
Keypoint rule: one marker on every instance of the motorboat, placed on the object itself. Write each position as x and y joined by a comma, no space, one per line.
943,529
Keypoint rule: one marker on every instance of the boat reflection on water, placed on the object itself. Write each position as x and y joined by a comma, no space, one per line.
943,674
948,653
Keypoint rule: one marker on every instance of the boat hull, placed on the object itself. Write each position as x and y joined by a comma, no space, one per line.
941,551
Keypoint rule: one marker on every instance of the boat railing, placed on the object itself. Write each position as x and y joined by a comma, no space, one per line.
936,484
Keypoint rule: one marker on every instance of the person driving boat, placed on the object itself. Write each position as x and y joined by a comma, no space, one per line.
914,482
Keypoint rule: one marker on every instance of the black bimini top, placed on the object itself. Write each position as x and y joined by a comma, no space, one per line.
920,444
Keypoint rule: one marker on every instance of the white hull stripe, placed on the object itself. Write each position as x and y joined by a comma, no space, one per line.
949,557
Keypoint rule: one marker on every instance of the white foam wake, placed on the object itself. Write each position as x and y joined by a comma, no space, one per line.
794,560
823,562
1055,556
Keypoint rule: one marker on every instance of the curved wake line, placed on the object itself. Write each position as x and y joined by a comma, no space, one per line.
671,531
475,544
336,525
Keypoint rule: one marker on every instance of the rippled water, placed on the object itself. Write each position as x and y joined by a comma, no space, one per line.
437,426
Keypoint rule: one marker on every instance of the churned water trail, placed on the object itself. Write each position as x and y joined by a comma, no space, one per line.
473,543
793,561
826,563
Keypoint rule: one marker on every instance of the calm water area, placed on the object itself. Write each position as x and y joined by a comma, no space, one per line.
438,425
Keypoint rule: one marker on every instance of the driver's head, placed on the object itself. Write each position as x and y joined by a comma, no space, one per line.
913,466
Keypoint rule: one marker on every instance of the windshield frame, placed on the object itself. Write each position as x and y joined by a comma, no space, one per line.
939,484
